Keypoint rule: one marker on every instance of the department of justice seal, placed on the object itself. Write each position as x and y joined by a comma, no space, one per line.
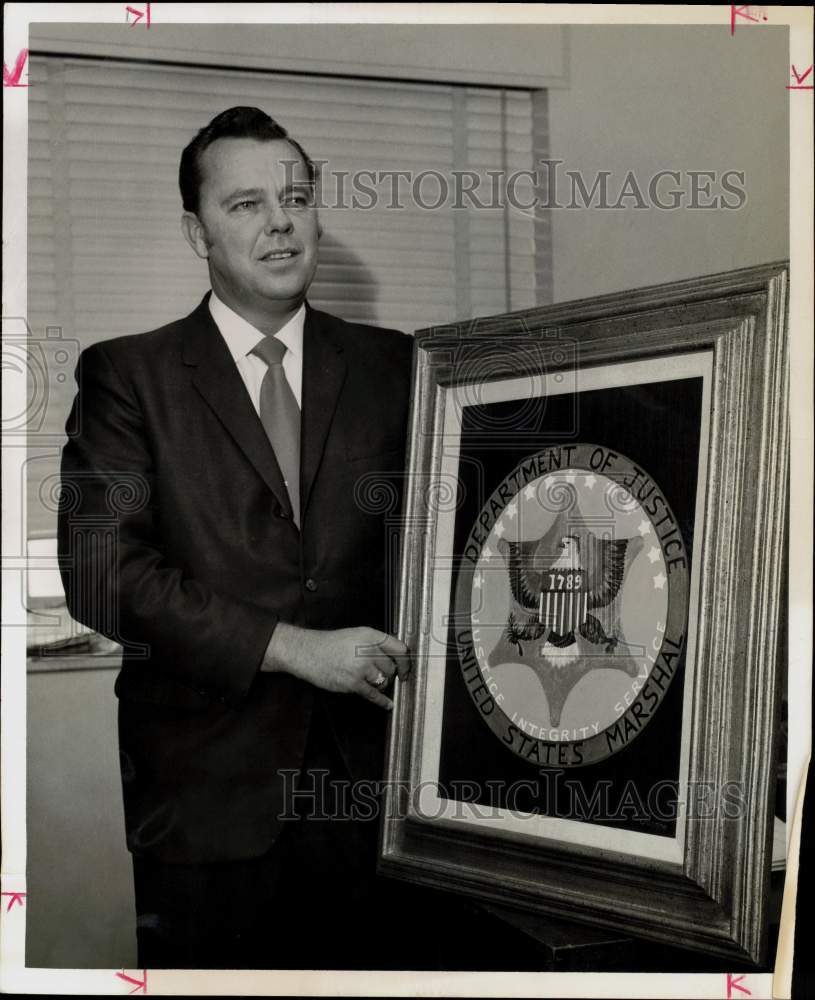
571,605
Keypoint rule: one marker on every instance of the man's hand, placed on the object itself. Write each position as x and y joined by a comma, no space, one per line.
359,661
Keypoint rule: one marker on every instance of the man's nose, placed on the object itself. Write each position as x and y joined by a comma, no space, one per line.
277,220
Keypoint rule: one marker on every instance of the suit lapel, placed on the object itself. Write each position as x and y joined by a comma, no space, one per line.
217,379
324,373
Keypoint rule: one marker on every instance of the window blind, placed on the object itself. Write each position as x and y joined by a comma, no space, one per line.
106,254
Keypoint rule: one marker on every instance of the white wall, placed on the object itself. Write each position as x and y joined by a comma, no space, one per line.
499,55
79,908
654,98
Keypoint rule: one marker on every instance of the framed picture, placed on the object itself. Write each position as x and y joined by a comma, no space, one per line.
592,585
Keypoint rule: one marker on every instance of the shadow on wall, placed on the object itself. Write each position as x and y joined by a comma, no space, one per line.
345,285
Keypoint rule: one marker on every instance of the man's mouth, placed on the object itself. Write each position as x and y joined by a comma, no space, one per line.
279,254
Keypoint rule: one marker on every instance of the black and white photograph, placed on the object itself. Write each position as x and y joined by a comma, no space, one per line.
407,490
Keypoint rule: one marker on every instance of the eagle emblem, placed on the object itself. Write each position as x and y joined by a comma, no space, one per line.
563,619
554,598
570,616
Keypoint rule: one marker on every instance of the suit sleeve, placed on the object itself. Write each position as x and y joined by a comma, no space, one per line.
116,577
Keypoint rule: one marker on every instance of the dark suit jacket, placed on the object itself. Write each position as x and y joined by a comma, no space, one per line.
174,540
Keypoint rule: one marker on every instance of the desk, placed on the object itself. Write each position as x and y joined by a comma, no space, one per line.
489,938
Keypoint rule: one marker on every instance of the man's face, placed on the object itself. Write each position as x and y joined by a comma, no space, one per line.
256,224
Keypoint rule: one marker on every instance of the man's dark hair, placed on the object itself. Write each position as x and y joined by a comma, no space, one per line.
234,123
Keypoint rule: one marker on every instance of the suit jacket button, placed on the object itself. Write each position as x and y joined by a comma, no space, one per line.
311,585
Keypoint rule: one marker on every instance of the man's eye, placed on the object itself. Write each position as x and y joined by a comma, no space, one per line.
248,203
296,201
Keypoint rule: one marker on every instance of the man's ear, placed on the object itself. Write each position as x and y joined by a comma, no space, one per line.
195,234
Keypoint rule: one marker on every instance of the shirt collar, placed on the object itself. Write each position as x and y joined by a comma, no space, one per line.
241,337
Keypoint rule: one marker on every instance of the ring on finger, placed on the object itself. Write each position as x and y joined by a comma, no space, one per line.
380,681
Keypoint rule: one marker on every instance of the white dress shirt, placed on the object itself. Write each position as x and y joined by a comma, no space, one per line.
241,337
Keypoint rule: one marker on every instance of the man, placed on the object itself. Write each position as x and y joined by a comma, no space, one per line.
245,575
